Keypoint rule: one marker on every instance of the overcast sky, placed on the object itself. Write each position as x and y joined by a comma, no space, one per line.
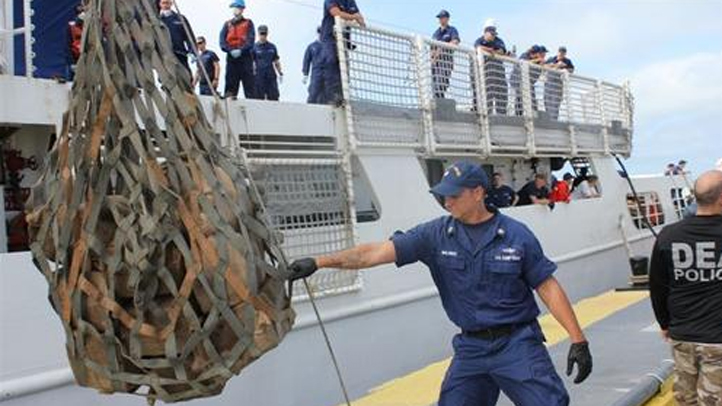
670,50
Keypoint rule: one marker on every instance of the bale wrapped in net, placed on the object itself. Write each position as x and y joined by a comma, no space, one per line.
161,267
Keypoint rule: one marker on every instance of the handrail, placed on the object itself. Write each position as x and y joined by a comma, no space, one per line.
26,30
410,90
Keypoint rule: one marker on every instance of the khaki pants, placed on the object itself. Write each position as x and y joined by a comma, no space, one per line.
698,370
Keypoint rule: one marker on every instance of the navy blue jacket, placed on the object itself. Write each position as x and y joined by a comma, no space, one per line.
310,58
481,285
181,42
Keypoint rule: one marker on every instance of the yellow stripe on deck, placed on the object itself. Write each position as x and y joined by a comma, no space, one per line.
421,388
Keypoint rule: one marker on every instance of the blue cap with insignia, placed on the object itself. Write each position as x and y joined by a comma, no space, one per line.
462,175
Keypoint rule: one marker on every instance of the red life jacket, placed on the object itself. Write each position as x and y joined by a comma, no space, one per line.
237,34
76,35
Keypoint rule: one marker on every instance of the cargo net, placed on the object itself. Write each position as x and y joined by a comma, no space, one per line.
160,264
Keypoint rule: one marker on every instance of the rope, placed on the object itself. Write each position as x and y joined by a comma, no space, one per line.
328,343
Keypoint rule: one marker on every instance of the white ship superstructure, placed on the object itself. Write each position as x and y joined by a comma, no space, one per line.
334,177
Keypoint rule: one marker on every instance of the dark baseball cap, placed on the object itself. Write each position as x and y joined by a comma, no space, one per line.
459,176
490,29
443,13
263,29
563,49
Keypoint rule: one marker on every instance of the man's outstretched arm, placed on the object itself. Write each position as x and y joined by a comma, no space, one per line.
360,257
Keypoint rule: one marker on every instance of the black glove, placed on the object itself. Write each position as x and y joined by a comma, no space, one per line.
303,268
579,354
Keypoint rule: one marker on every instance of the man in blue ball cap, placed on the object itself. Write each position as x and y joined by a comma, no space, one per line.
486,267
442,59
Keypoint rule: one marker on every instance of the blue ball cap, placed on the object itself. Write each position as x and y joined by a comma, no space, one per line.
443,13
459,176
238,3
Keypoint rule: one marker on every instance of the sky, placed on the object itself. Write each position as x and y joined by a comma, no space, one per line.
670,51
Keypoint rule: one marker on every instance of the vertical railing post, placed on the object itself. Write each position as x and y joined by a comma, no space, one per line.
628,112
482,101
29,40
602,115
527,108
7,40
567,102
348,142
426,104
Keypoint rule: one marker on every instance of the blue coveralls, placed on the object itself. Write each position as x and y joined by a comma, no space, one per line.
180,41
516,83
497,90
488,286
330,71
265,54
239,70
311,61
443,64
554,87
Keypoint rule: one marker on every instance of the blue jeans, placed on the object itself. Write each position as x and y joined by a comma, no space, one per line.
519,365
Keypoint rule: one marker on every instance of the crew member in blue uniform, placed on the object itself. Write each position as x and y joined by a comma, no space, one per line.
208,64
554,87
500,195
497,90
181,40
237,38
268,66
442,59
486,267
330,71
310,67
536,57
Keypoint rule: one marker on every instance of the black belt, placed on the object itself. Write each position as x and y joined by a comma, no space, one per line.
495,332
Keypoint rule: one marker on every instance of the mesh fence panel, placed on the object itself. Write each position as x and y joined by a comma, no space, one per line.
402,89
450,74
384,87
583,107
308,202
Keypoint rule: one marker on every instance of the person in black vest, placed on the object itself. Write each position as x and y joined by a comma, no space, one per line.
181,40
685,281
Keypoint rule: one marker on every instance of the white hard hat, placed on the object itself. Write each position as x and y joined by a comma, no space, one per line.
490,23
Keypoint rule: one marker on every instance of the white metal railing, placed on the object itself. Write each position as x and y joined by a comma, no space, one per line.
651,208
406,90
310,203
8,34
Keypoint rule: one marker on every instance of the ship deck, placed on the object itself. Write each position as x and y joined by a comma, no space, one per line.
625,343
